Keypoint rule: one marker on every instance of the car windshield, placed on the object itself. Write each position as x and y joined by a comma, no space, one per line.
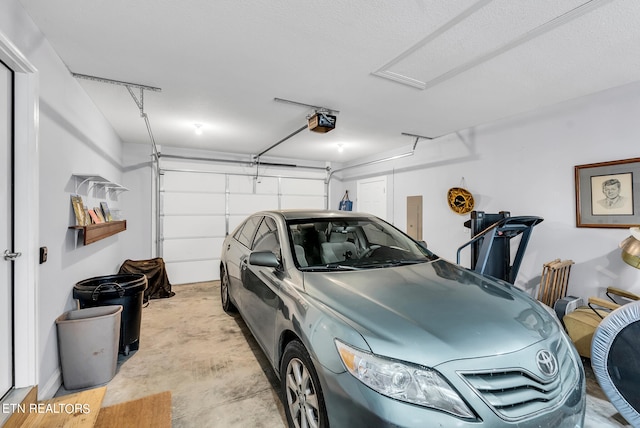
352,243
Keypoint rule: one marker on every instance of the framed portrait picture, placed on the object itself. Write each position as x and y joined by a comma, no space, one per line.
608,194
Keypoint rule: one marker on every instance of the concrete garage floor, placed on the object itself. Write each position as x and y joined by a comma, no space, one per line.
209,361
217,373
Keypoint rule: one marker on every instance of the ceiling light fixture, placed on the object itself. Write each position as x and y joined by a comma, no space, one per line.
198,129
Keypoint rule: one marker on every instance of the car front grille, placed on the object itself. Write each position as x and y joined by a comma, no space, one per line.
515,393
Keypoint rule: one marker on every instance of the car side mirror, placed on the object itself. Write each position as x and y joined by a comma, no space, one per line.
264,258
423,244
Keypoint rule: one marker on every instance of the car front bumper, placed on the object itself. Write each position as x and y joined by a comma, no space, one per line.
352,404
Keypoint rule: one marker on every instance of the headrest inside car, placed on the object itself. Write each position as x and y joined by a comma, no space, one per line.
338,237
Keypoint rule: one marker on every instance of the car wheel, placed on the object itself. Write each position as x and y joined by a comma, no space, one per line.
227,306
301,392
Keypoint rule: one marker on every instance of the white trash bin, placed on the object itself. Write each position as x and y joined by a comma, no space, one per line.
88,345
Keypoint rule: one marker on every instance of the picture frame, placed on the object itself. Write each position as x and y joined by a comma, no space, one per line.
608,194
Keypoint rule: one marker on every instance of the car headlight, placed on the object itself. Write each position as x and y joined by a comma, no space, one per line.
403,381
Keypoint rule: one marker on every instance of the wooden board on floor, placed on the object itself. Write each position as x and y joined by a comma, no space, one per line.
69,411
19,417
153,411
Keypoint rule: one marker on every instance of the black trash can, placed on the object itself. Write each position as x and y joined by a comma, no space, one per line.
122,289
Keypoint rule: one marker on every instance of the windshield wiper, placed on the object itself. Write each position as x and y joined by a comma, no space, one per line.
327,267
340,267
408,262
391,263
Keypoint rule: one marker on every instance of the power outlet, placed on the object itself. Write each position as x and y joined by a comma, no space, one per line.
43,254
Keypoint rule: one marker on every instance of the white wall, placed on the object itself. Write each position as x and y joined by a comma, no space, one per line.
137,203
73,137
524,165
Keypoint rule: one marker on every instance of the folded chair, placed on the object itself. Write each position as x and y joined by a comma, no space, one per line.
554,281
615,359
581,324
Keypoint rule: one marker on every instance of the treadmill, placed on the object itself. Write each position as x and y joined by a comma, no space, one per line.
491,236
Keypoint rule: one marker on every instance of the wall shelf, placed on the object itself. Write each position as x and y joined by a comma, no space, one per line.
97,181
96,232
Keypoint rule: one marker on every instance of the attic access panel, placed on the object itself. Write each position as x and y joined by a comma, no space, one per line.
458,46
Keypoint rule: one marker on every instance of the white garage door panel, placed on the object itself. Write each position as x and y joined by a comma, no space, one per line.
303,187
195,271
304,202
193,182
192,249
193,226
267,185
244,184
199,208
241,184
193,203
234,221
248,204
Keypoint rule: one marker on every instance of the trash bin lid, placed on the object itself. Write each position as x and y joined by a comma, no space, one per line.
89,314
110,286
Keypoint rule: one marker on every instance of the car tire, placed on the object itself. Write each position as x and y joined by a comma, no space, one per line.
301,392
227,306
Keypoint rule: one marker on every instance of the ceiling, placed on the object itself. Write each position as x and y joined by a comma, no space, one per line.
424,67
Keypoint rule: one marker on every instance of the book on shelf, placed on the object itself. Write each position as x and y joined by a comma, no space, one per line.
105,211
98,212
95,217
78,209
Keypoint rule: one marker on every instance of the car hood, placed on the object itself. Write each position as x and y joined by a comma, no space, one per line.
431,313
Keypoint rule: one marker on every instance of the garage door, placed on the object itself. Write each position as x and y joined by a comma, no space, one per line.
198,209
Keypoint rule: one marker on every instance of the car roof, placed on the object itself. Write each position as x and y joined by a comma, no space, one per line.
299,214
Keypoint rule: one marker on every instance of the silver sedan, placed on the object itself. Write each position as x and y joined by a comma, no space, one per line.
366,327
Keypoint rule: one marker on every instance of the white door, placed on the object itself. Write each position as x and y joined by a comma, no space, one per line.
372,196
6,275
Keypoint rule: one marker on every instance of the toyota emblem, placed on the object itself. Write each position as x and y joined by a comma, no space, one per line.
547,363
